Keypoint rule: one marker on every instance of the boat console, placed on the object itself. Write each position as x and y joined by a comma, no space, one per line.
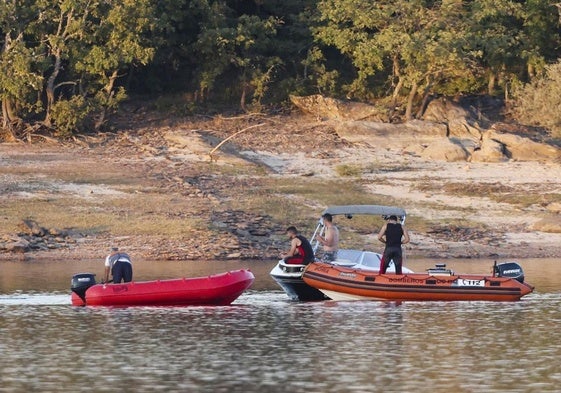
440,270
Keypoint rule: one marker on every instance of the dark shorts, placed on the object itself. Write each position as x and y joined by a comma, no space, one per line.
122,271
329,256
394,254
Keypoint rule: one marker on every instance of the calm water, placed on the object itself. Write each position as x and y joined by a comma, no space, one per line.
266,343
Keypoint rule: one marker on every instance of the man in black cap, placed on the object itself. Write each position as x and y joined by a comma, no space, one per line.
393,234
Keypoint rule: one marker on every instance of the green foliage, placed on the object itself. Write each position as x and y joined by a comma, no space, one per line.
243,45
56,53
18,80
451,47
537,103
72,52
69,115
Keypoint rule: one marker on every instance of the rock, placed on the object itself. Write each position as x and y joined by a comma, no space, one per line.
334,109
20,245
390,135
445,150
524,149
554,207
490,151
461,128
33,228
57,232
548,224
443,110
461,118
259,232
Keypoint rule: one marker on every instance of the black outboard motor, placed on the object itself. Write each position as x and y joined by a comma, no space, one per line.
509,269
80,284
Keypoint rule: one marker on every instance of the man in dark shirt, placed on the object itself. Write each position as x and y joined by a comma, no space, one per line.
301,251
393,234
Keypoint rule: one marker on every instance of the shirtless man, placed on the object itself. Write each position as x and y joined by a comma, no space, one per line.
330,240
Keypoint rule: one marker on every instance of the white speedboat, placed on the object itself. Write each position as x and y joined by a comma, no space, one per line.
289,276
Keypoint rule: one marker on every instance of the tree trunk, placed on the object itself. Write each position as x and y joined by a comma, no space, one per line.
108,89
396,90
491,83
410,99
7,118
50,88
531,71
426,95
242,98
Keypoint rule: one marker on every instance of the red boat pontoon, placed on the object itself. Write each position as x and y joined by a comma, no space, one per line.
218,290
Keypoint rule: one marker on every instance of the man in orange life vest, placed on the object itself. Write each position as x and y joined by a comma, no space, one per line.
393,234
301,251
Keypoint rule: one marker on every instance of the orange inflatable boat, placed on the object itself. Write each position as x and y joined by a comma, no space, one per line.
341,283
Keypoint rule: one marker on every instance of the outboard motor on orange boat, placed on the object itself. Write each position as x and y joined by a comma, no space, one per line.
80,284
509,269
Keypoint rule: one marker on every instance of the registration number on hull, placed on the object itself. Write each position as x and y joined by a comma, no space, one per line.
465,282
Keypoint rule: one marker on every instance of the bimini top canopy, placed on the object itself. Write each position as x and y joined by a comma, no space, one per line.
365,209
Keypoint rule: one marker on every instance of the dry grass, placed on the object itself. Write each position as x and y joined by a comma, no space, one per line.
143,215
522,197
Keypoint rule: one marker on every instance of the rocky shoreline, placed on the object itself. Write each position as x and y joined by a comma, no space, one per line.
458,208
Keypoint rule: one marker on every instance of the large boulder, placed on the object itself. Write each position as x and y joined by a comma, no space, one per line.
445,150
459,119
389,134
489,151
333,109
524,149
462,128
442,110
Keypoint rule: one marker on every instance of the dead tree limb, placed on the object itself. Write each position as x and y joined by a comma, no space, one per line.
211,153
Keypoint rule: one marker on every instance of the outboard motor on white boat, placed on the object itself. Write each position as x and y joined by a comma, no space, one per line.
80,284
509,269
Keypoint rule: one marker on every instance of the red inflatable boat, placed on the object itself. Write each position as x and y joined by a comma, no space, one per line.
217,290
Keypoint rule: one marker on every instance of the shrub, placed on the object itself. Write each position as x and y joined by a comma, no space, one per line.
539,102
69,115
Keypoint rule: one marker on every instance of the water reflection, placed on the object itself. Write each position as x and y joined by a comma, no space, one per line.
54,276
266,343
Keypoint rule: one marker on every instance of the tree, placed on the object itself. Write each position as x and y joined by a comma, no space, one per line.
538,102
239,47
117,39
20,81
415,45
82,44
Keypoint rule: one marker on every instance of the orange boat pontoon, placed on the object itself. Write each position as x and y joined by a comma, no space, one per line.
342,283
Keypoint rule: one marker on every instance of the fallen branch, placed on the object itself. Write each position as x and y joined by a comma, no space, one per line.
212,158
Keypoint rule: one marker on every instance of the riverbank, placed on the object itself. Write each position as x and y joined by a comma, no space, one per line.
206,188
